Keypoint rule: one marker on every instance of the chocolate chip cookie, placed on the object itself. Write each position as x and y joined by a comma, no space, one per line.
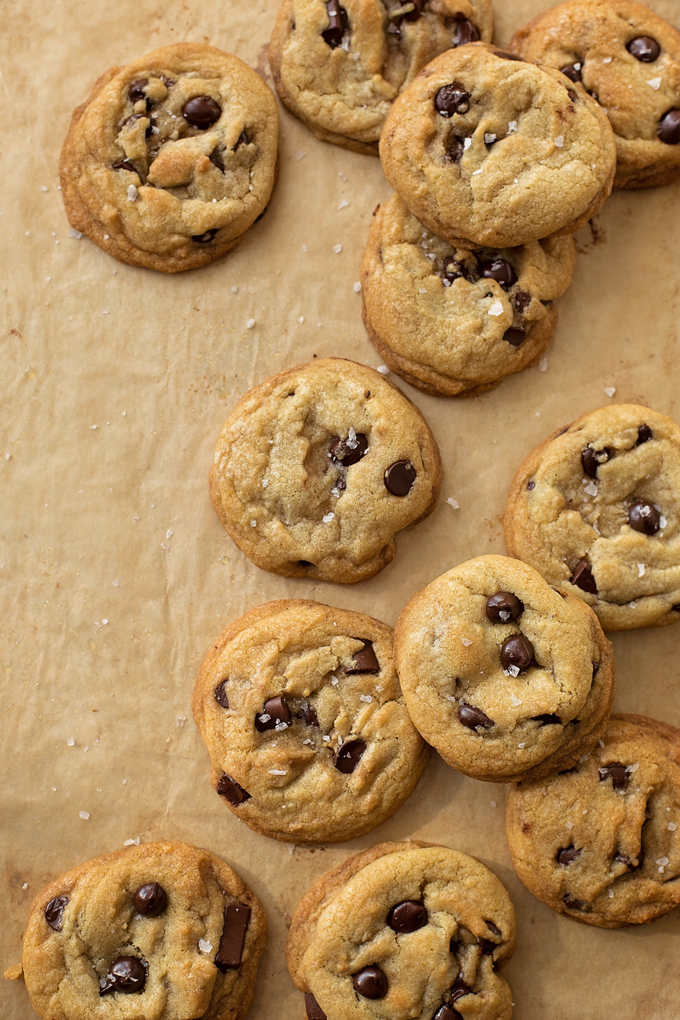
162,931
488,150
596,508
454,321
339,65
404,930
301,711
600,842
505,676
171,158
628,58
318,467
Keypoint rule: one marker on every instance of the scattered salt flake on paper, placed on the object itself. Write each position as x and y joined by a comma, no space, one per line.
365,697
70,741
559,141
610,390
169,533
131,842
328,517
453,503
543,365
343,204
250,323
132,193
337,248
357,288
496,308
383,369
672,826
466,642
493,803
180,720
76,234
93,427
654,83
234,290
277,772
85,815
204,945
641,569
301,319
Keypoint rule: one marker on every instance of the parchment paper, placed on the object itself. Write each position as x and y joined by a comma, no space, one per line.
116,573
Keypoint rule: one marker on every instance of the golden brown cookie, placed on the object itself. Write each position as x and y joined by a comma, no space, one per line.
171,158
596,508
628,58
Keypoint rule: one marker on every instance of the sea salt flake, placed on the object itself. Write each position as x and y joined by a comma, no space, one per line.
93,427
610,894
662,521
300,155
632,605
466,145
663,861
281,725
85,815
250,323
265,483
337,248
169,533
383,369
512,127
276,772
334,681
489,138
301,319
264,718
672,826
654,83
343,204
466,642
180,720
475,172
328,517
253,524
326,738
515,701
76,234
450,697
632,768
357,287
591,489
641,569
422,290
493,803
569,825
453,503
496,308
523,744
234,290
511,671
204,945
543,365
131,842
70,741
132,193
559,141
365,697
606,60
610,390
307,740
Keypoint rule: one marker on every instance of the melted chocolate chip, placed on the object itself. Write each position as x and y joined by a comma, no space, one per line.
275,711
616,772
348,755
136,90
54,912
515,336
202,112
308,715
644,517
668,128
501,271
460,987
204,238
124,164
487,945
399,477
547,719
365,661
447,1012
583,578
450,99
349,451
337,24
573,904
591,460
407,916
509,56
503,606
313,1009
464,31
644,435
644,48
493,928
228,787
150,899
522,301
568,854
217,157
220,694
126,974
455,147
141,116
370,982
473,717
230,952
573,71
517,651
242,140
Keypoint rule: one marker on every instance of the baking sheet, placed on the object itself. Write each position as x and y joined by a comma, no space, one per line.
116,573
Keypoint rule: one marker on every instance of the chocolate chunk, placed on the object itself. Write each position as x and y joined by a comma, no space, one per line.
582,577
416,12
349,451
204,238
124,164
150,899
365,661
447,1012
220,694
242,140
547,719
275,711
493,928
568,854
501,271
229,788
503,606
644,435
460,987
515,336
308,715
230,952
668,129
347,756
517,651
54,912
591,460
522,301
573,904
644,48
464,31
617,773
370,982
450,99
473,717
136,90
407,916
487,945
399,477
573,71
455,147
313,1009
126,974
202,112
644,517
338,24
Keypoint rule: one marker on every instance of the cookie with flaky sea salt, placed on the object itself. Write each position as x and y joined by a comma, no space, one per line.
162,931
172,158
339,64
505,676
628,58
596,509
300,708
600,842
453,321
488,150
317,468
404,930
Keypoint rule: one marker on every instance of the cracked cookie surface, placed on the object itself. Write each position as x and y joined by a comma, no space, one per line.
338,66
488,150
596,509
454,321
404,930
172,158
505,676
600,843
163,930
302,714
319,466
629,59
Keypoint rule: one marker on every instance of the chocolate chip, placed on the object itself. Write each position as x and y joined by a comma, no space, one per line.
644,517
202,112
464,31
126,974
217,157
349,451
644,435
573,904
450,99
348,755
517,651
573,71
141,116
473,717
416,12
308,715
204,238
623,859
531,484
447,1012
229,788
509,56
407,916
617,773
522,301
150,899
568,854
493,928
582,577
304,563
668,129
365,661
644,48
54,912
230,952
337,24
399,477
591,460
136,90
503,606
370,982
460,987
572,95
454,147
487,945
275,711
313,1009
547,719
501,271
242,140
515,336
220,694
124,164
